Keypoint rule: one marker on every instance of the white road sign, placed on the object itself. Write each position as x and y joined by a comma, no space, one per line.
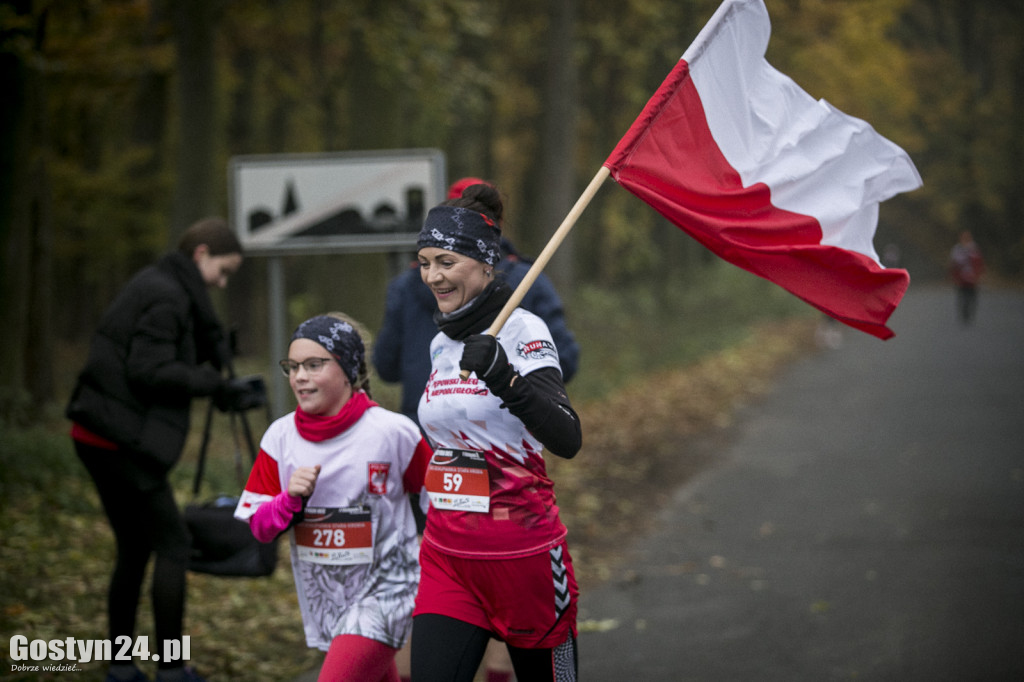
321,203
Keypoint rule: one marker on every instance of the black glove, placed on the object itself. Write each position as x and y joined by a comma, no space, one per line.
240,394
485,356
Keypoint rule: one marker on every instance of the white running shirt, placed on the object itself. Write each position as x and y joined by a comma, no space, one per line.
361,467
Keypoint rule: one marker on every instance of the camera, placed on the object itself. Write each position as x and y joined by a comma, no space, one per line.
242,393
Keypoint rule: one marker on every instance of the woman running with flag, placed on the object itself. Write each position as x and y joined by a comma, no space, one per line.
494,560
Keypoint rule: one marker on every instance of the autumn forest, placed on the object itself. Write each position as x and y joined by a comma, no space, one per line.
120,118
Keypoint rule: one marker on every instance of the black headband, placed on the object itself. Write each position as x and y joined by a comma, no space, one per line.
463,231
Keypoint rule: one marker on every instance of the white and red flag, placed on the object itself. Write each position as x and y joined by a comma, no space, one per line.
739,157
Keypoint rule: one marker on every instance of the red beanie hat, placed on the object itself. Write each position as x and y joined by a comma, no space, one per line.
459,186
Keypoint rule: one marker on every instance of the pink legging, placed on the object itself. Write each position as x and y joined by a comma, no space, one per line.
352,657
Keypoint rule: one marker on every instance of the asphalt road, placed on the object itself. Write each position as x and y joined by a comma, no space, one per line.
865,522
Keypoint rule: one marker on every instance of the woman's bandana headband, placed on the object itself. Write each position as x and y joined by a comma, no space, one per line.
340,339
461,230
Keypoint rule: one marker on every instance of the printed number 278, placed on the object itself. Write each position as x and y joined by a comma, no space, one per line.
452,482
328,538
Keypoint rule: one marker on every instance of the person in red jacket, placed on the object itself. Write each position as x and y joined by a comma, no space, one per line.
966,267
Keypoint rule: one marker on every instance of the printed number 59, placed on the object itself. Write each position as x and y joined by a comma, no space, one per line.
452,482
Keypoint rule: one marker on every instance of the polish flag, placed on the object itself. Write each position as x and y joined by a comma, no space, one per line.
734,153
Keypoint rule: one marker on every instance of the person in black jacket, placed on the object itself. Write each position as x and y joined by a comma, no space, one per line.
158,345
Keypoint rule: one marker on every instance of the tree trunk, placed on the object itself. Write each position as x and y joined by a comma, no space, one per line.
195,190
373,112
15,150
39,335
558,133
39,338
149,128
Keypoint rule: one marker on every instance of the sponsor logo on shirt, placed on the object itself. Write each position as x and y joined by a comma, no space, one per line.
442,457
536,350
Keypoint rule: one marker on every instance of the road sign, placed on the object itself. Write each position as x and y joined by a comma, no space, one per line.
334,203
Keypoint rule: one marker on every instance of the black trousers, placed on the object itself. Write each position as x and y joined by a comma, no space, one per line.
449,650
146,522
967,302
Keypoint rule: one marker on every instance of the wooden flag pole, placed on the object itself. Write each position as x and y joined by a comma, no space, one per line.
549,250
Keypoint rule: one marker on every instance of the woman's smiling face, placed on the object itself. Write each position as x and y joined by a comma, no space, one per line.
454,279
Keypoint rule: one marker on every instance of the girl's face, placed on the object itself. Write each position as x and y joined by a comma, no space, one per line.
215,270
455,279
323,392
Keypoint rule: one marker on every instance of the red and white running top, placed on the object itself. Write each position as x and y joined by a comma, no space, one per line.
522,517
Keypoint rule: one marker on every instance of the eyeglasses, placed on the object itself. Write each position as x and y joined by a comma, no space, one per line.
312,365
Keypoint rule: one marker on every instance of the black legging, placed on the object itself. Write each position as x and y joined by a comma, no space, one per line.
448,650
967,302
145,520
